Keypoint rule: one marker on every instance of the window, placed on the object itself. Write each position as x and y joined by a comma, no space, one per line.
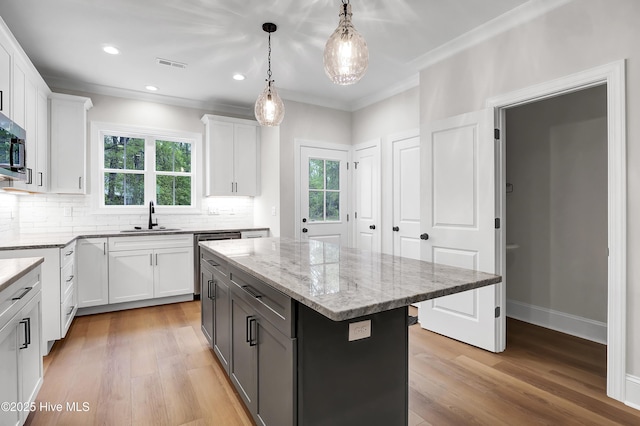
324,190
137,167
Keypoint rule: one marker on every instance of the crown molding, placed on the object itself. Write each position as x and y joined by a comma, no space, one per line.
236,110
511,19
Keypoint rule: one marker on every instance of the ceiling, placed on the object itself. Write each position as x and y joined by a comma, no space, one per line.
216,38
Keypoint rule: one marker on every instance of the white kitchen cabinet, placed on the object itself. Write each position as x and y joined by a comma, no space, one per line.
148,267
41,175
93,272
68,124
50,288
68,295
18,110
5,77
254,234
20,350
232,165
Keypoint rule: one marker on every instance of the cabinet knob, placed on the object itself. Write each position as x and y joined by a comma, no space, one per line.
396,229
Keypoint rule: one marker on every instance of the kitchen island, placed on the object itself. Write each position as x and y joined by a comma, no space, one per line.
313,333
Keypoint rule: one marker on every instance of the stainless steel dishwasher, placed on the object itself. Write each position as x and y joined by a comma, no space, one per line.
210,236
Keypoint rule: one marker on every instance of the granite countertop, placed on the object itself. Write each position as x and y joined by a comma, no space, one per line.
11,270
344,283
53,240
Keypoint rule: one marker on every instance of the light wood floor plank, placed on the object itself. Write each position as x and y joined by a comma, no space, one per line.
152,366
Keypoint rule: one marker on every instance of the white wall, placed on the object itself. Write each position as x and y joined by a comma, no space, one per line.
381,121
306,122
269,199
574,37
557,212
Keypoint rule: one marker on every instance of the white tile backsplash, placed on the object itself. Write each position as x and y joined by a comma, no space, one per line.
45,213
9,222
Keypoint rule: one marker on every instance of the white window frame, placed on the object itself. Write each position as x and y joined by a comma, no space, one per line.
150,135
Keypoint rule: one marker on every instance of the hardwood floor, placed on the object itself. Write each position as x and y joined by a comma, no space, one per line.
151,366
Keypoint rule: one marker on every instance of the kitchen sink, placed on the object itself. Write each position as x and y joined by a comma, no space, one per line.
150,230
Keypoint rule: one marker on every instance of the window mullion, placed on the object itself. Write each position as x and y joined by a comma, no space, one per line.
150,169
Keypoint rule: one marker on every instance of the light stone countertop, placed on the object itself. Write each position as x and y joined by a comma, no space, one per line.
11,270
344,283
52,240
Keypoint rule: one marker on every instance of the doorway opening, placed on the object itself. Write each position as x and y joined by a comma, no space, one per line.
612,77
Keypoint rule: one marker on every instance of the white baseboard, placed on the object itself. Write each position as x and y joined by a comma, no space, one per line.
584,328
632,392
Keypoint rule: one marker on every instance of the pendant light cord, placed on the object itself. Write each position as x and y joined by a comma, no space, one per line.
269,56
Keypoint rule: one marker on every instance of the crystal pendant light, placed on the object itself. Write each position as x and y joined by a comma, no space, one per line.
269,109
346,55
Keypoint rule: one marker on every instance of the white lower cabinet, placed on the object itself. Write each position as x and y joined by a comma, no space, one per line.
138,272
93,272
20,348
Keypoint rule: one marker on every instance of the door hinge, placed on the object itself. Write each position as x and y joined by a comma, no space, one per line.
496,133
497,311
497,223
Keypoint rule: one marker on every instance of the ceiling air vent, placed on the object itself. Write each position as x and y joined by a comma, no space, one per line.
169,63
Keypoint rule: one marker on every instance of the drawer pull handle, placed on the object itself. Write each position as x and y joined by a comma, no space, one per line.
26,290
211,262
69,253
27,333
70,278
251,291
70,310
252,340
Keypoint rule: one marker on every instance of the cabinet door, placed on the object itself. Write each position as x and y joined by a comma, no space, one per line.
275,376
30,356
5,81
19,81
243,371
9,371
68,145
220,159
173,272
222,324
207,307
130,275
92,267
245,159
41,179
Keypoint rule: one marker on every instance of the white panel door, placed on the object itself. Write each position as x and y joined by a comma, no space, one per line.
323,194
406,197
458,214
367,198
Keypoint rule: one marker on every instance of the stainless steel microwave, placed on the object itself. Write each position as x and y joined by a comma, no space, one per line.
13,154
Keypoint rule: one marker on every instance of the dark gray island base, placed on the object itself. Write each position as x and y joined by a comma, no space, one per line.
314,334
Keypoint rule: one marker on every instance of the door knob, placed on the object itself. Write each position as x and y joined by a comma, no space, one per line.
424,236
372,227
304,230
396,229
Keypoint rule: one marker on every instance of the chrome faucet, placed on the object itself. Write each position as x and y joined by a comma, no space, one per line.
151,211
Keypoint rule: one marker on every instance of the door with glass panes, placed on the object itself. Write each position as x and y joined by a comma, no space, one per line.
323,194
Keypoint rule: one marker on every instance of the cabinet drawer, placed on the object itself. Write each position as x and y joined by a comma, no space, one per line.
67,254
211,261
67,279
68,310
150,242
271,304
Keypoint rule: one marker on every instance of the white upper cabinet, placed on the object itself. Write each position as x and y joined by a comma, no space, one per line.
232,151
5,76
69,143
19,95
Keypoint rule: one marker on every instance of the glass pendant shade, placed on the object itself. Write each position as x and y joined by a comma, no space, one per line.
346,55
269,109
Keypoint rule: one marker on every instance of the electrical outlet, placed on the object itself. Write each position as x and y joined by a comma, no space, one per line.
273,210
213,210
359,330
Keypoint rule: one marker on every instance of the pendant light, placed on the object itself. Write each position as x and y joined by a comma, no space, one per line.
269,109
346,55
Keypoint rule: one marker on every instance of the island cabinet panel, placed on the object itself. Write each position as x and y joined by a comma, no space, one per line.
342,382
207,302
222,323
243,352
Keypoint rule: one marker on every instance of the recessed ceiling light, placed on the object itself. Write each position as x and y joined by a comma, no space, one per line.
151,88
238,77
111,50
